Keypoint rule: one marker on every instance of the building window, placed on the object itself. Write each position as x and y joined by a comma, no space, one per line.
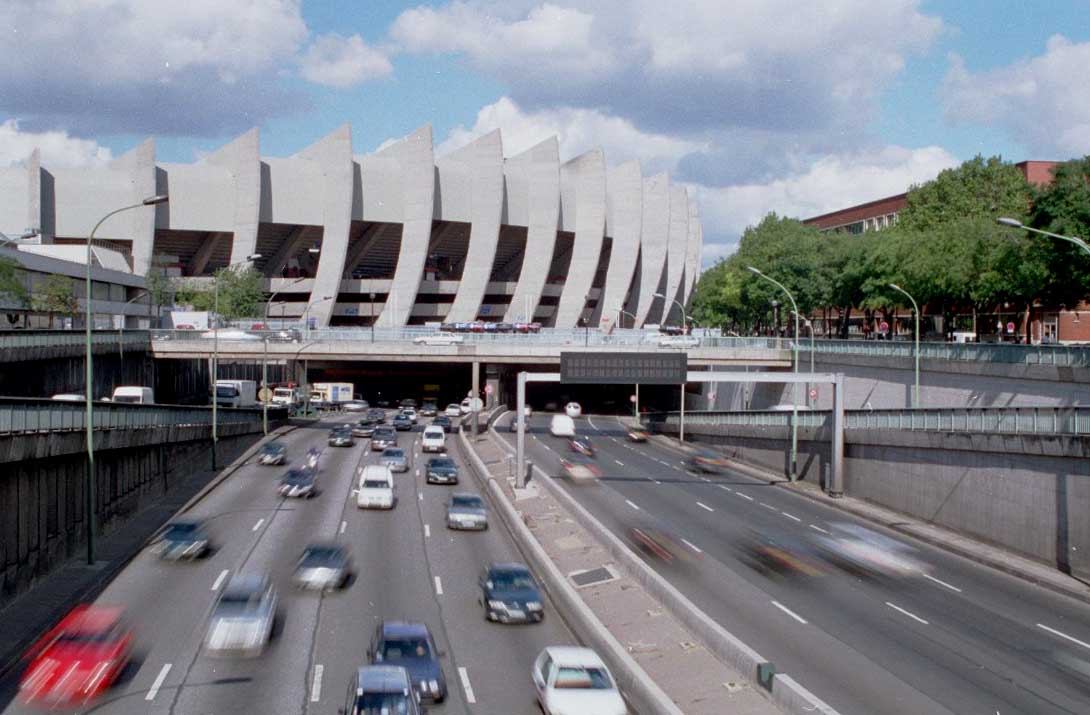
855,228
891,219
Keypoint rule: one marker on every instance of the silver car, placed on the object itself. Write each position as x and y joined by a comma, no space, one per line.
394,458
466,510
242,620
322,567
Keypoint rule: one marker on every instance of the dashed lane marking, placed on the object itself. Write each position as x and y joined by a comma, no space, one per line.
744,496
420,496
791,516
913,616
344,525
789,612
316,686
219,580
154,689
692,546
768,506
631,504
619,462
1061,634
258,524
427,531
818,528
464,677
942,583
438,586
724,487
704,506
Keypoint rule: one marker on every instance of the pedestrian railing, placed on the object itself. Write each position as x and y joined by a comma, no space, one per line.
1011,353
978,420
23,415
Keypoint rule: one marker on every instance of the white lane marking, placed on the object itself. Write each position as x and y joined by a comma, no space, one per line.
464,677
631,504
418,471
656,481
725,487
768,506
692,546
705,479
789,612
258,524
619,462
1061,634
591,422
744,496
344,525
219,580
913,616
438,586
420,496
942,583
316,687
154,689
427,531
704,506
818,528
791,516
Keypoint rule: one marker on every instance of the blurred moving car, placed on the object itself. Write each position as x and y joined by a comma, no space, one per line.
286,335
376,415
708,463
68,397
569,680
655,540
780,555
80,658
678,341
381,690
394,458
322,567
580,469
383,438
355,406
402,422
182,539
445,422
637,434
363,428
375,488
582,445
434,439
230,334
453,410
298,484
341,437
438,339
510,594
860,550
242,620
466,510
441,470
273,453
411,646
573,409
562,426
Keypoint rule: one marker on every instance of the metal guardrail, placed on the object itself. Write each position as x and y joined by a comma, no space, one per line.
1010,353
12,339
23,415
977,420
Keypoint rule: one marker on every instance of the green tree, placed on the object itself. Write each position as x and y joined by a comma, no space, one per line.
978,189
241,294
13,288
1064,208
160,289
56,295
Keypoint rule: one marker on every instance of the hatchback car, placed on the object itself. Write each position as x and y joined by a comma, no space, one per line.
510,594
298,484
182,539
394,458
402,422
322,567
569,679
341,437
242,620
441,470
411,646
80,658
466,510
382,689
273,453
363,428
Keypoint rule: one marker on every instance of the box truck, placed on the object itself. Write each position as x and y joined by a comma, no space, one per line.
236,393
331,394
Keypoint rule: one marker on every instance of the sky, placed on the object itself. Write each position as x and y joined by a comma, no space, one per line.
754,106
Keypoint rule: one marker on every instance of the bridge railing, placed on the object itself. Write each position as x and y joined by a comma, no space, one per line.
1060,355
979,420
14,339
23,415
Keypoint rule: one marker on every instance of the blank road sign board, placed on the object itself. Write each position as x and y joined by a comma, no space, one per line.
601,368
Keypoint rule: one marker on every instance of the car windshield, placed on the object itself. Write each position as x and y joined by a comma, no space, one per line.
103,636
321,555
273,448
239,600
406,649
181,531
442,464
382,704
511,580
582,678
393,454
434,433
298,476
226,391
467,502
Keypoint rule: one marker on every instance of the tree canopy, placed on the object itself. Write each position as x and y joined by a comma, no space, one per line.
241,294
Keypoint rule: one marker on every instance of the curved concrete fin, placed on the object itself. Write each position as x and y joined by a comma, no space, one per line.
416,155
676,242
242,157
692,251
582,193
333,154
656,226
484,163
624,218
537,172
139,162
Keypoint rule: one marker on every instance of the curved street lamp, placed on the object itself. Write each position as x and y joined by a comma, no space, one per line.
265,357
89,519
684,317
916,351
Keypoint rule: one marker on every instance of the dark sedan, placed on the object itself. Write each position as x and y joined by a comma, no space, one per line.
341,437
441,470
402,423
510,594
183,539
363,428
298,484
377,416
411,646
444,422
273,453
383,438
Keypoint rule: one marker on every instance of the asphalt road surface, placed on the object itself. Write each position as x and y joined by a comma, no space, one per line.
962,639
407,565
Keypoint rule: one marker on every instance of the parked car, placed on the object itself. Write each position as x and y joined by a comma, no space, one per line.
395,459
242,620
375,488
273,453
411,646
363,428
298,484
510,594
441,470
383,689
383,438
439,339
341,437
78,659
570,679
445,422
573,409
453,410
182,539
433,440
466,510
322,567
402,423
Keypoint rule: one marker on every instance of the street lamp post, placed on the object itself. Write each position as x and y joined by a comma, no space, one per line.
684,316
620,317
306,381
810,328
916,350
89,515
265,358
684,322
794,388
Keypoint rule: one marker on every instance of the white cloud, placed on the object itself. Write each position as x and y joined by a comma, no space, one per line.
58,150
1040,101
579,130
338,61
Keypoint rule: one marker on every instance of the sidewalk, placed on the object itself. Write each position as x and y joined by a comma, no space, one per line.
692,677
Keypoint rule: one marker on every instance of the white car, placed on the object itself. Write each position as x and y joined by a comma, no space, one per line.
439,339
410,412
573,409
242,620
678,341
375,489
434,439
453,410
569,680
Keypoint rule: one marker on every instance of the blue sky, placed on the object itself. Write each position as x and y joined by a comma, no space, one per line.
753,106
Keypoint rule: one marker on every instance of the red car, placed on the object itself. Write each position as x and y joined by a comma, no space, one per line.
79,659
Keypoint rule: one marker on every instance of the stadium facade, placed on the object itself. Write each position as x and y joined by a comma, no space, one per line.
398,237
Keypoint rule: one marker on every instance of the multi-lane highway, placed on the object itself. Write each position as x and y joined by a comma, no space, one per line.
407,566
962,639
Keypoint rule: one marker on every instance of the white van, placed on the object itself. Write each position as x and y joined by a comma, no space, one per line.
375,489
236,393
562,426
134,395
434,439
